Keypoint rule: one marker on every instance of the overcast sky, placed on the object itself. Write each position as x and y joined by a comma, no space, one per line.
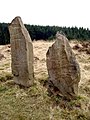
47,12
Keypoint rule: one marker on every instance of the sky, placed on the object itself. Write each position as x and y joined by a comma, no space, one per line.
47,12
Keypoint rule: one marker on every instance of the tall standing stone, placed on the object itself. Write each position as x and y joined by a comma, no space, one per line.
63,69
21,53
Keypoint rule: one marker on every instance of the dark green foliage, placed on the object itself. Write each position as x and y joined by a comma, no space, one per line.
4,34
46,32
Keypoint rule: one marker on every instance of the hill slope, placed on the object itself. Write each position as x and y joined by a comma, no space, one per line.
34,103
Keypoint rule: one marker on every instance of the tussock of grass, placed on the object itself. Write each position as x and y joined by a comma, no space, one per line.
5,76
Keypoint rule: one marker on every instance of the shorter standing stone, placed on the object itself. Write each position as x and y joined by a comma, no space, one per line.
63,69
21,53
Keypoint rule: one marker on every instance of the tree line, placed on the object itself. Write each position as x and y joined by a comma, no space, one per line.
38,32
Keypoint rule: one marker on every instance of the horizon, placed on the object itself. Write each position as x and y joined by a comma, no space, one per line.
50,25
59,13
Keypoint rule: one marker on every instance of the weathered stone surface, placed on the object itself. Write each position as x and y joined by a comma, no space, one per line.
21,53
63,69
1,56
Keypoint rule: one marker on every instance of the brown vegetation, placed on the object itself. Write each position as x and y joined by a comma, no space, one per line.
83,46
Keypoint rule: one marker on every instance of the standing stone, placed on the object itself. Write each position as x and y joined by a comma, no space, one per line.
21,53
63,69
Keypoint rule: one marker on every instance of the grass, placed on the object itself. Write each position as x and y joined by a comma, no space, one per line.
5,76
25,104
33,103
